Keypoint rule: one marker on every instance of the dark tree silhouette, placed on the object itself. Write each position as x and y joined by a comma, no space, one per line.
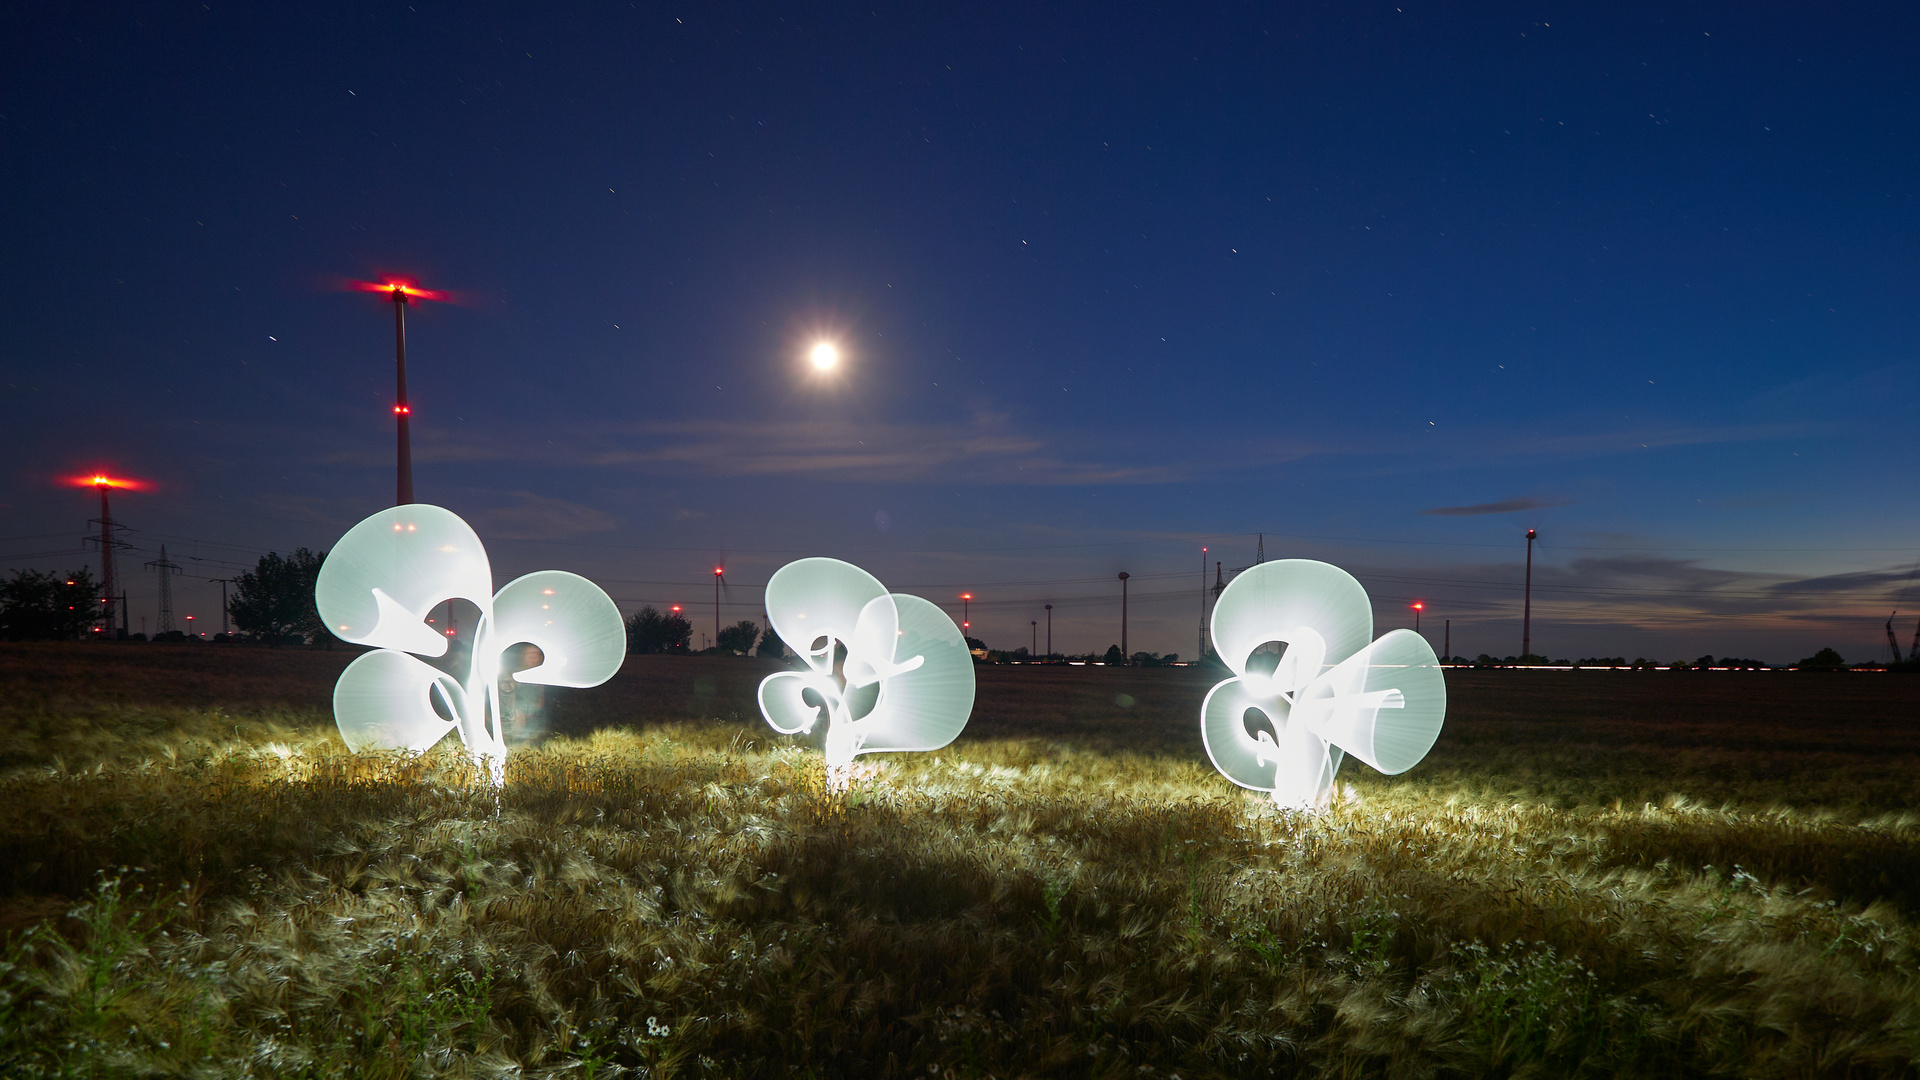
1824,660
36,606
739,637
650,631
770,645
274,600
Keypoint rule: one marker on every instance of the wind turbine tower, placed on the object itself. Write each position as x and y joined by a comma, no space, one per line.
1203,603
109,541
401,293
1526,611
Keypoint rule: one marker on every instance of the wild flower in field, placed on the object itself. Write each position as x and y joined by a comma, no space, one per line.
1310,685
887,671
377,587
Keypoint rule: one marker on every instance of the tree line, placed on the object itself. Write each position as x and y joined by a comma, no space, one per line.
273,602
651,630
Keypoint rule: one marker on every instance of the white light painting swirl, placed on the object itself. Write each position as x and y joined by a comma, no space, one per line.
886,671
1333,690
376,588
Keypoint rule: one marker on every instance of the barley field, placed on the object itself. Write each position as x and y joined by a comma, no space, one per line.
1593,874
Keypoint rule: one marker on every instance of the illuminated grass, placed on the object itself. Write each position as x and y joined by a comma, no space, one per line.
225,890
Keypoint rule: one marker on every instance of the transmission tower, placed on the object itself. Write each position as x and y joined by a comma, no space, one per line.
167,569
1260,553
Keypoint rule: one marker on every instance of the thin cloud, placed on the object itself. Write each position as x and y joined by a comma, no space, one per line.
1506,506
1475,447
1650,438
540,518
982,451
1868,581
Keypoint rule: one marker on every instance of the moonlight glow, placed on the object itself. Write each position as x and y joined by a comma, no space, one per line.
825,356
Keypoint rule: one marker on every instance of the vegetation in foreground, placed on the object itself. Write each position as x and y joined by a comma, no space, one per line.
200,880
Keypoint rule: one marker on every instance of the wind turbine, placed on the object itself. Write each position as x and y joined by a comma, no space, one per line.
401,293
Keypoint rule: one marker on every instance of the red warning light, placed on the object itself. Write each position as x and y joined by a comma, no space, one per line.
102,480
717,570
403,410
400,288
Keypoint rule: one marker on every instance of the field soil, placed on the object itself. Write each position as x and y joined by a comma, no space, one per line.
1593,873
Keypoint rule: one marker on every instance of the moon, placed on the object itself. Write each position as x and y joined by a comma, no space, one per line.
824,356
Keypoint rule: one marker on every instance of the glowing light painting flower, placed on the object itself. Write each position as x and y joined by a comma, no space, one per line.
377,587
886,671
1310,685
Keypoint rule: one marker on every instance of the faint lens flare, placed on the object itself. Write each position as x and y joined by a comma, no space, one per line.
825,356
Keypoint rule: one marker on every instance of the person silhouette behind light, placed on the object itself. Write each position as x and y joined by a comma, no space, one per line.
522,705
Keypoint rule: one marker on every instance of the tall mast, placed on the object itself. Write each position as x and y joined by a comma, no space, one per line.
108,596
402,411
1203,603
1526,616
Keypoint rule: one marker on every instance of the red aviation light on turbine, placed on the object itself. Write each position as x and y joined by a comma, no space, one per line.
400,289
103,480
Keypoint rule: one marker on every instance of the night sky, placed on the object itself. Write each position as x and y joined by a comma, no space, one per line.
1390,284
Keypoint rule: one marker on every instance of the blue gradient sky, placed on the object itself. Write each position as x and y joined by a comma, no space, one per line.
1114,282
